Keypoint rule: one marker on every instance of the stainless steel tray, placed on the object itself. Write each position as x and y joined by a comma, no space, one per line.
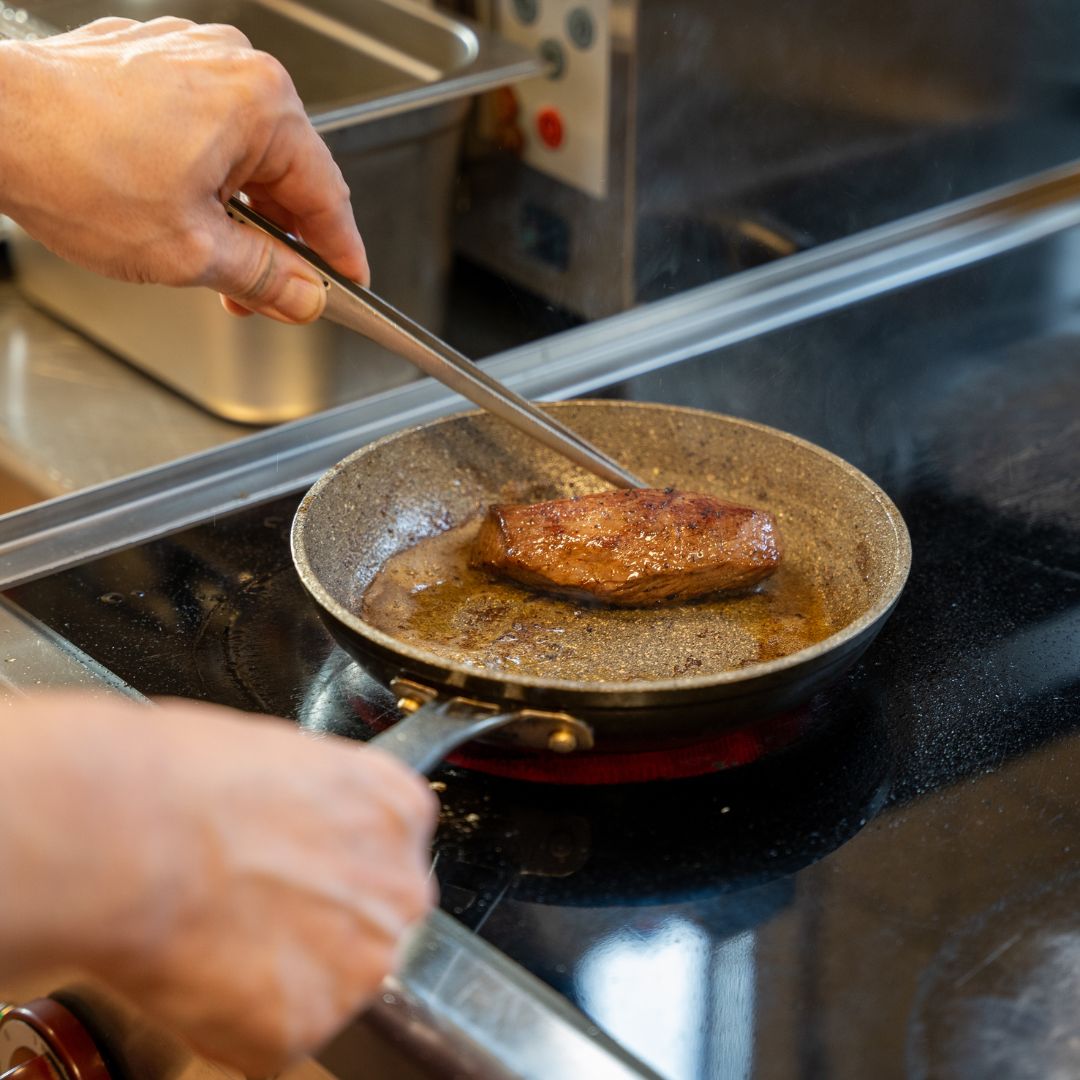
351,60
388,83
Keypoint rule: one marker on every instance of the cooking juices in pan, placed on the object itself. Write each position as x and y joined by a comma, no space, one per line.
428,597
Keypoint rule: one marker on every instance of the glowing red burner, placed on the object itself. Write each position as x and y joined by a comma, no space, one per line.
675,761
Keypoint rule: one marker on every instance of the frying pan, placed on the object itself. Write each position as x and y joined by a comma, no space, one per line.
840,535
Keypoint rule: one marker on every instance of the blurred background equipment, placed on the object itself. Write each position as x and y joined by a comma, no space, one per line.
671,144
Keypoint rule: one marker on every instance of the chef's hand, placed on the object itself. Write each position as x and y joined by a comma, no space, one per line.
122,140
242,883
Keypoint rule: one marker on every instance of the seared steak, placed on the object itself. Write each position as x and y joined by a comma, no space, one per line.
629,548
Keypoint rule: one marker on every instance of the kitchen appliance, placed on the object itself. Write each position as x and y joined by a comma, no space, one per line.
388,83
916,819
670,144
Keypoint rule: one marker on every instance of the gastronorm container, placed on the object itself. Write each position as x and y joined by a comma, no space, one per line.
388,84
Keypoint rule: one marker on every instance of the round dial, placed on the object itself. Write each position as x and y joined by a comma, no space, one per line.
43,1041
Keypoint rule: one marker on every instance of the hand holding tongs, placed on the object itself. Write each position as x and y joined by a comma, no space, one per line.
359,309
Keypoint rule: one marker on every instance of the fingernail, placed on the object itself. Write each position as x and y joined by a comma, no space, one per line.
301,300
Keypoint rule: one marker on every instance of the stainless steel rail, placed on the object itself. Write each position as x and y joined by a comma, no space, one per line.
71,529
479,1014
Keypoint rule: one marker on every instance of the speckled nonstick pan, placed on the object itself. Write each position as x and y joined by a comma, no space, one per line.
840,535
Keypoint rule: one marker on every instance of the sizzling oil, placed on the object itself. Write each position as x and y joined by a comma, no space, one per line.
428,597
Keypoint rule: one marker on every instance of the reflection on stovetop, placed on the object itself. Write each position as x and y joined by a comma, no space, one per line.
1001,997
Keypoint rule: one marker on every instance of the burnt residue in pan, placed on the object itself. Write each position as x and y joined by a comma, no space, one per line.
428,597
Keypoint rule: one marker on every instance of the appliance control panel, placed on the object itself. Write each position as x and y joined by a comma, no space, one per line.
560,121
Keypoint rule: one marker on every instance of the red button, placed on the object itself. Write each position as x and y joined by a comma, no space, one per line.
549,124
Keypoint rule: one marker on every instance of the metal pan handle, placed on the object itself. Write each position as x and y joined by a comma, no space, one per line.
426,736
436,726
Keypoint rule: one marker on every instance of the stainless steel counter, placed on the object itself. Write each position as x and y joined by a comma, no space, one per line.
73,415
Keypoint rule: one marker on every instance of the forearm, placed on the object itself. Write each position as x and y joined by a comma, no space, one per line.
66,848
244,884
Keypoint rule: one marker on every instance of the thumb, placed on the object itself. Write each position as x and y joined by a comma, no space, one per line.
259,274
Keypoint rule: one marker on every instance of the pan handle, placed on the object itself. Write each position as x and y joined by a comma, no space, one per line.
434,730
435,726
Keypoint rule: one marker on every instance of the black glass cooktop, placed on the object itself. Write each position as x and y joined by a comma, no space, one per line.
897,894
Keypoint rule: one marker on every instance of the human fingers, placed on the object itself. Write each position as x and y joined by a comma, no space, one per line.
233,308
415,804
256,273
295,181
319,864
294,224
307,195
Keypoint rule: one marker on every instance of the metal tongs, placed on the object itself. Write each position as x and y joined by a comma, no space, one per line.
359,309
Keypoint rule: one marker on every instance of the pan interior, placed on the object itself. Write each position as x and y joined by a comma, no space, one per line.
384,536
428,597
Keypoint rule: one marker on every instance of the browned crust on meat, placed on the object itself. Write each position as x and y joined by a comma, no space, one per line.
629,548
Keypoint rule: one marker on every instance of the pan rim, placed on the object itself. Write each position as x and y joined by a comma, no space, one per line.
895,574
